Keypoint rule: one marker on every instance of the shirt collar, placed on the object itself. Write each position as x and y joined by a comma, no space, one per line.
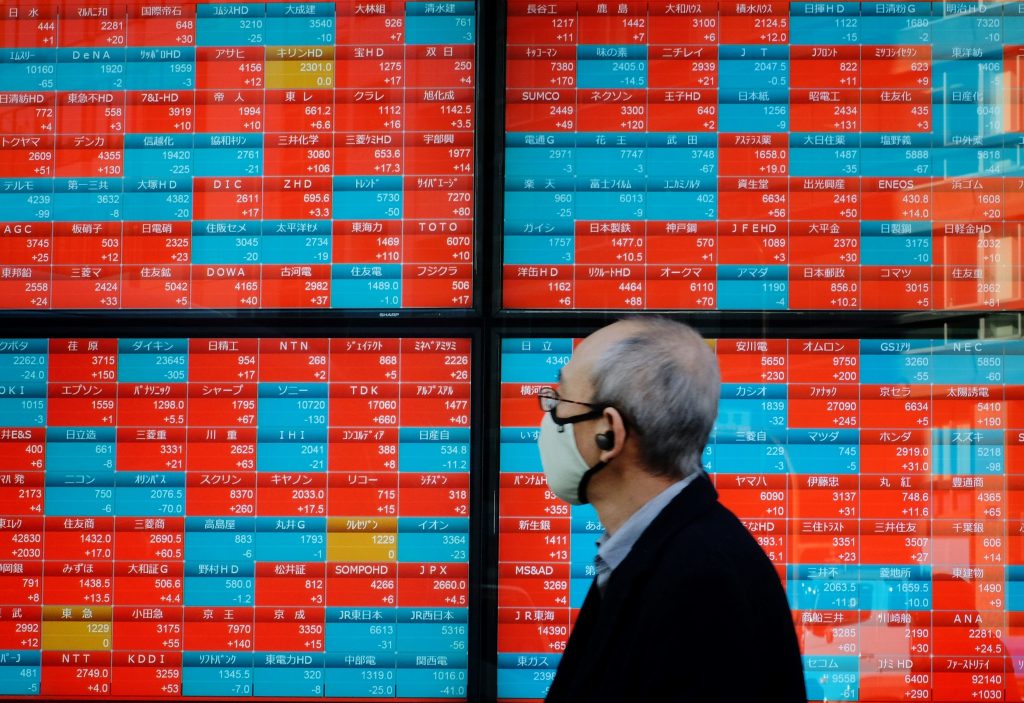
612,549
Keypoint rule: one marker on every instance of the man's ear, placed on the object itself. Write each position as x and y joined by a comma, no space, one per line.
612,435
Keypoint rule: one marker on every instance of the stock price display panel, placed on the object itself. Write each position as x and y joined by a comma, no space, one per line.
188,155
763,155
234,517
883,478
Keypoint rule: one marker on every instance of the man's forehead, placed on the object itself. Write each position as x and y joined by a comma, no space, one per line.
566,374
574,373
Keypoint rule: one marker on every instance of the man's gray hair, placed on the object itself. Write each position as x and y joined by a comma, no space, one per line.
664,379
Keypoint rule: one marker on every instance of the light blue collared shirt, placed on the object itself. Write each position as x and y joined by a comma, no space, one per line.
612,549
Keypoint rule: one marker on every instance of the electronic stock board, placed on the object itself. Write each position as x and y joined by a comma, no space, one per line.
287,514
883,477
234,517
255,515
763,155
183,155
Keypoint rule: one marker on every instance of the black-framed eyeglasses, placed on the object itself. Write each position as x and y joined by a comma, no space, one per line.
549,401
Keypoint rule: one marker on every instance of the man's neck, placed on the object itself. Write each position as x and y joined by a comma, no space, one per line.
616,501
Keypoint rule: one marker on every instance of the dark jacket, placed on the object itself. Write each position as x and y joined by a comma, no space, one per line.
695,613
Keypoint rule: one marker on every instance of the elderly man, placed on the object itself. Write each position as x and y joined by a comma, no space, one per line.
685,605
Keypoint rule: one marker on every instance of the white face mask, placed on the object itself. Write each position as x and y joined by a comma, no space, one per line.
564,467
